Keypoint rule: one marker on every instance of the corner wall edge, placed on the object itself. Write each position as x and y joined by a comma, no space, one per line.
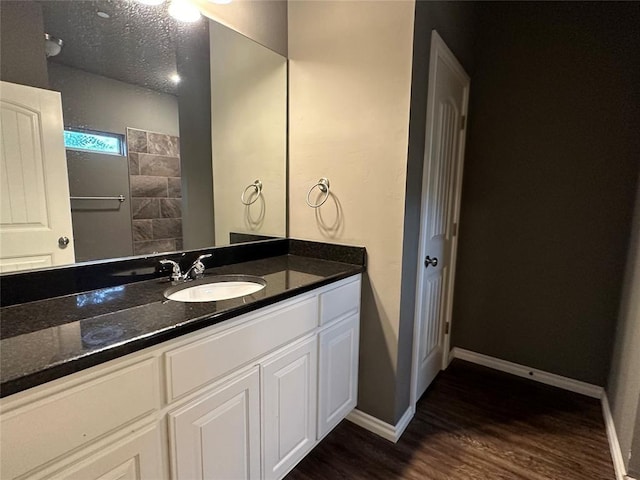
380,428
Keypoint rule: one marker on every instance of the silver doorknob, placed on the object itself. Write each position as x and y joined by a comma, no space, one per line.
63,242
430,261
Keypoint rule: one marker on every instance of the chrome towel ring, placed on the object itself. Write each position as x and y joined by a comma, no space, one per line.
323,186
257,185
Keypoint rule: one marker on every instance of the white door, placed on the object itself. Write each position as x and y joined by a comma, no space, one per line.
35,210
442,180
217,436
289,407
338,373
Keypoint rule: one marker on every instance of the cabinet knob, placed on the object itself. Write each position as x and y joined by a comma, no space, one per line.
63,242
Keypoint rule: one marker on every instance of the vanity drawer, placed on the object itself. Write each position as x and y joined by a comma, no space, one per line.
340,301
198,363
38,432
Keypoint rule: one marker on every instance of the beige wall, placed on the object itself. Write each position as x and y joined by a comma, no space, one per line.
264,21
623,388
349,89
249,134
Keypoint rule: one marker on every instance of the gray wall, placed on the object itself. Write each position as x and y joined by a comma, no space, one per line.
455,22
623,388
96,221
100,103
22,54
550,173
194,100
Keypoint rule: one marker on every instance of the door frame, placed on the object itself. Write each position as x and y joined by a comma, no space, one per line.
438,50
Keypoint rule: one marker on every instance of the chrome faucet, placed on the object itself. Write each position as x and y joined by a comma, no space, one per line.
195,271
176,274
197,268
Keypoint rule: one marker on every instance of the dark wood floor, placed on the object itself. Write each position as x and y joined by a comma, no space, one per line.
475,423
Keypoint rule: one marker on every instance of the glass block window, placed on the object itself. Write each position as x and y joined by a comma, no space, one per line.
89,141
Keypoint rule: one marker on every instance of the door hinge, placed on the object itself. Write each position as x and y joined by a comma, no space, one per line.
463,122
446,328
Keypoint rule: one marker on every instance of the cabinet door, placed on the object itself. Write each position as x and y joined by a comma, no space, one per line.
138,457
338,383
289,396
217,436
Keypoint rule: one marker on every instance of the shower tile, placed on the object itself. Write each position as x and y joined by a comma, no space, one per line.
147,186
159,143
175,187
142,230
134,167
145,208
159,165
175,141
137,140
154,246
167,228
170,208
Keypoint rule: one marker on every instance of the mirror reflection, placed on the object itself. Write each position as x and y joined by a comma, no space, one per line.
128,132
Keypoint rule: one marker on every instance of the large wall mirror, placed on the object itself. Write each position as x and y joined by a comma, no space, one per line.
172,134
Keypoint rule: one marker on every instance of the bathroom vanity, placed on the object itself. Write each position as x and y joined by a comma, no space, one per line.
241,388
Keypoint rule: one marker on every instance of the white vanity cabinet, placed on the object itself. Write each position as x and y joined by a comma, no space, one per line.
135,457
244,399
289,383
84,425
218,434
338,373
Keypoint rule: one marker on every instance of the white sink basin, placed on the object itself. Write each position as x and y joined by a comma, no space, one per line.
212,289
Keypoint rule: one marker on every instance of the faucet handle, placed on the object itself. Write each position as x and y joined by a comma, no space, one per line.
176,273
197,269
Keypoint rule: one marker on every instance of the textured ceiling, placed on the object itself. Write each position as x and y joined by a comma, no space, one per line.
138,44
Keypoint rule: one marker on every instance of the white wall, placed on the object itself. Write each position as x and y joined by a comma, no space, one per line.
249,124
349,89
623,388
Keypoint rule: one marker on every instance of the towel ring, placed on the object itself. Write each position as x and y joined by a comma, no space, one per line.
323,186
257,185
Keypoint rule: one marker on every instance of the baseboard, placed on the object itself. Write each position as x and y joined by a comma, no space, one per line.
380,428
541,376
614,445
557,381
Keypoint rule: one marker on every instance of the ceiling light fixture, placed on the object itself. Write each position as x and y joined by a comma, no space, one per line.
221,2
175,78
52,45
102,14
184,11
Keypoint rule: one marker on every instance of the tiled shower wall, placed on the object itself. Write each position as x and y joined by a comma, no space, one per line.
156,192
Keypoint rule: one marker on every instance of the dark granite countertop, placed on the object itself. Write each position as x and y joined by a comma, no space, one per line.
48,339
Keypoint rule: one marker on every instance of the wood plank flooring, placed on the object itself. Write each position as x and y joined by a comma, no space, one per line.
475,423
